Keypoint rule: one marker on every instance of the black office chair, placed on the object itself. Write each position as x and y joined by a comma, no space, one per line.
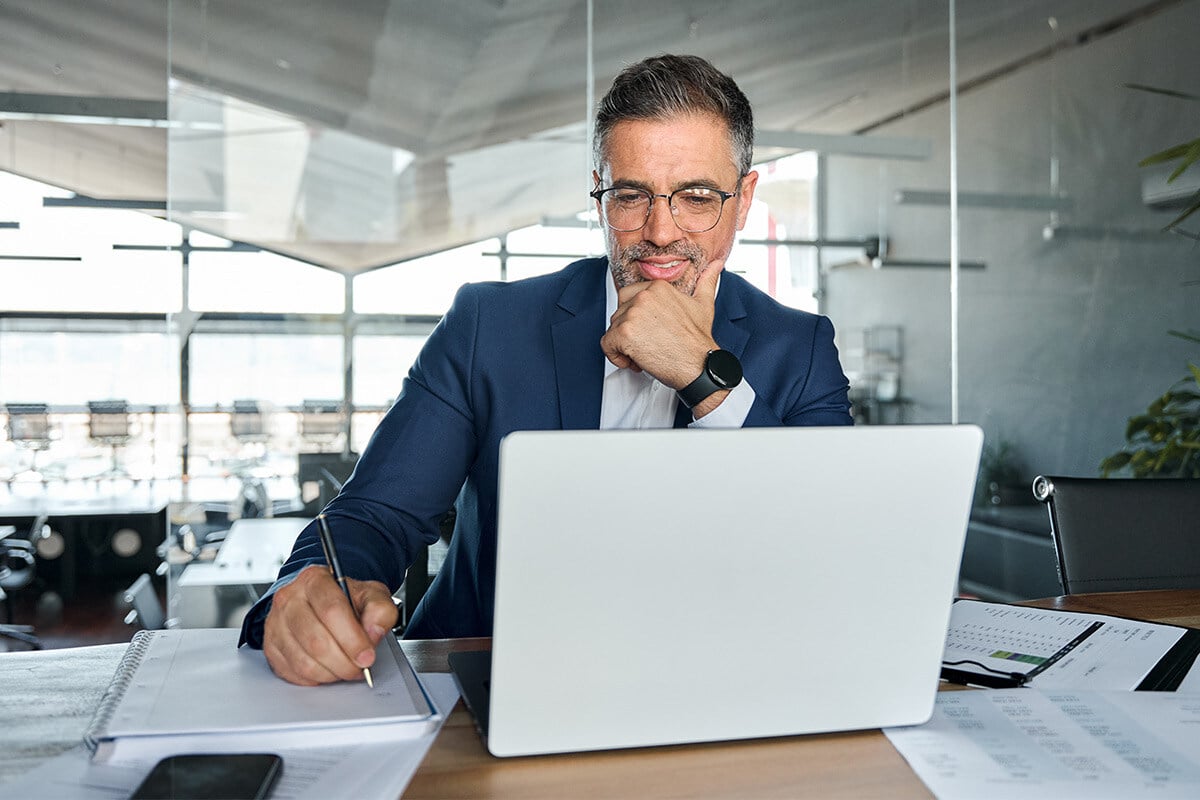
146,609
418,576
1120,535
18,568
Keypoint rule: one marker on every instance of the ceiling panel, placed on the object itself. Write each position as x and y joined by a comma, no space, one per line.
358,134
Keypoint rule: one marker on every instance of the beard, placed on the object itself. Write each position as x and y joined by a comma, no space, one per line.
626,273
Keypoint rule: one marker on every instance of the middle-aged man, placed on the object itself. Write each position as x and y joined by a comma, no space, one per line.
654,335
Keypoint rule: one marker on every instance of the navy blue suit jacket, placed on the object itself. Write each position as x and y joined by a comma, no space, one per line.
526,356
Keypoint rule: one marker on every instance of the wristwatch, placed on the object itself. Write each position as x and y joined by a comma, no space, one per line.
722,370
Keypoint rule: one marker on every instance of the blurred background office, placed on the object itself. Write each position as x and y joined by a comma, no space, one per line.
226,228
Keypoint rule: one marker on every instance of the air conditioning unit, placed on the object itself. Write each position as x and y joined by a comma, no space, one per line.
1157,193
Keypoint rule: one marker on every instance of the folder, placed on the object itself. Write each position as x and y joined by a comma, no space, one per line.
1000,645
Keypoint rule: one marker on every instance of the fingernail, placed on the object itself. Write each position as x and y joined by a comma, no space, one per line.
365,658
375,632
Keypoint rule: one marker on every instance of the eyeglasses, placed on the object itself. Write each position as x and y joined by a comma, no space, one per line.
695,209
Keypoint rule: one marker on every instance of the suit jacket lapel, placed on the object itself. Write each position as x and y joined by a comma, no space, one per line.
578,360
729,321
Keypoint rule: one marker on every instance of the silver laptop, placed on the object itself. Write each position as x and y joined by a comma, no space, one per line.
663,587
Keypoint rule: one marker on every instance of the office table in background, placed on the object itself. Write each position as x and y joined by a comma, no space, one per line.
49,697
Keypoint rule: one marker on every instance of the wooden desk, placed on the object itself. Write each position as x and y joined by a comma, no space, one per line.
48,699
861,764
1174,607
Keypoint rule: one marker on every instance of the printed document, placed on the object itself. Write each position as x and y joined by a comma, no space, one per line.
1056,744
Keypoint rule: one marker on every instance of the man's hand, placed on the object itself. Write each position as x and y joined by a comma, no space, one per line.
659,329
311,635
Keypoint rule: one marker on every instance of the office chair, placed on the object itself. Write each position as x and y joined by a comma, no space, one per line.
28,427
108,424
423,569
320,422
147,610
1119,535
18,567
247,423
320,477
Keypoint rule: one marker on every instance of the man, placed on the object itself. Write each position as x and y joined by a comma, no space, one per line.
653,336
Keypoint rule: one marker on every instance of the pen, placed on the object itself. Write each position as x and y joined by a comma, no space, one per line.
335,567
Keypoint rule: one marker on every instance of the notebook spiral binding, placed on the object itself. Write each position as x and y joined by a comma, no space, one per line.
122,677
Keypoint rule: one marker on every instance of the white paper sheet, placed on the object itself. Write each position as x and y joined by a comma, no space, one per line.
372,770
1055,744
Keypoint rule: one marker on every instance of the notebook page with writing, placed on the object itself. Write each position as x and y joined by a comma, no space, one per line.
192,683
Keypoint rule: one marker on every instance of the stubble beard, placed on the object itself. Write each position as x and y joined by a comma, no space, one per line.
626,273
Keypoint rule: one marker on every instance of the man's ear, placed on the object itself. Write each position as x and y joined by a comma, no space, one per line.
596,182
745,197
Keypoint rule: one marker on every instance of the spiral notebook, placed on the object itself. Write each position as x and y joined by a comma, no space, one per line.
194,690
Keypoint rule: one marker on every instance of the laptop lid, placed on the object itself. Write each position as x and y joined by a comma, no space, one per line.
663,587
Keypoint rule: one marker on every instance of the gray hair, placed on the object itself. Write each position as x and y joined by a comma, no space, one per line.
666,86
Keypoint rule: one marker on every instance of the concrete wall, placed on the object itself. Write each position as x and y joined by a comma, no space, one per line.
1060,340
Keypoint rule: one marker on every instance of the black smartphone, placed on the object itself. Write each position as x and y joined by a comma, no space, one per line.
211,776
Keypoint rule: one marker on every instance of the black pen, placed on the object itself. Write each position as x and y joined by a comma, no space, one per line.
335,567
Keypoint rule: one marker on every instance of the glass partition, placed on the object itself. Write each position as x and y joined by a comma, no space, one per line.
1065,335
87,277
336,172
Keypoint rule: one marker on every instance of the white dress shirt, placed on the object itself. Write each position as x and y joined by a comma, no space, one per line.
637,400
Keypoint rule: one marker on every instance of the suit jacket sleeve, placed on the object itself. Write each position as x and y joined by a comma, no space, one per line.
393,502
802,385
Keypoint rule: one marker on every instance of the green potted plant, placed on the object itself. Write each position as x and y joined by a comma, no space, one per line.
1164,441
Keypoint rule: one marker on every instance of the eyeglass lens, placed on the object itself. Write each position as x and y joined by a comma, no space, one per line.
695,209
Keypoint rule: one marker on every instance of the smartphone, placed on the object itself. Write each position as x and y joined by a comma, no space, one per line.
211,776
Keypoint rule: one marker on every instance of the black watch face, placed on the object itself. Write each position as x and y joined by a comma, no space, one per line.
724,368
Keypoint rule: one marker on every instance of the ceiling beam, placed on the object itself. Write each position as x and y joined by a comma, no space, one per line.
15,257
902,147
83,108
80,201
1016,202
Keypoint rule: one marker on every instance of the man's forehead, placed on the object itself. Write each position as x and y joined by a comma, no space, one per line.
708,148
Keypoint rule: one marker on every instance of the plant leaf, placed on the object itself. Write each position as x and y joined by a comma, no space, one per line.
1189,158
1114,462
1137,425
1170,154
1187,212
1141,87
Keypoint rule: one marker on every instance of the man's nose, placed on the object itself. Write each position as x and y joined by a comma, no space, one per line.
660,227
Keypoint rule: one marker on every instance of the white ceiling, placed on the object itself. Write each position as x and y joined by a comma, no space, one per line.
359,133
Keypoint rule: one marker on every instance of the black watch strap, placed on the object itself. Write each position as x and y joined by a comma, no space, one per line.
722,370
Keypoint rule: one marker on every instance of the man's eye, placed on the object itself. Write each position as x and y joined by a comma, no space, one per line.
700,198
628,198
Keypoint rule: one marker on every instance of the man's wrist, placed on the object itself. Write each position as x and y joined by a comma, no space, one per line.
710,403
721,372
